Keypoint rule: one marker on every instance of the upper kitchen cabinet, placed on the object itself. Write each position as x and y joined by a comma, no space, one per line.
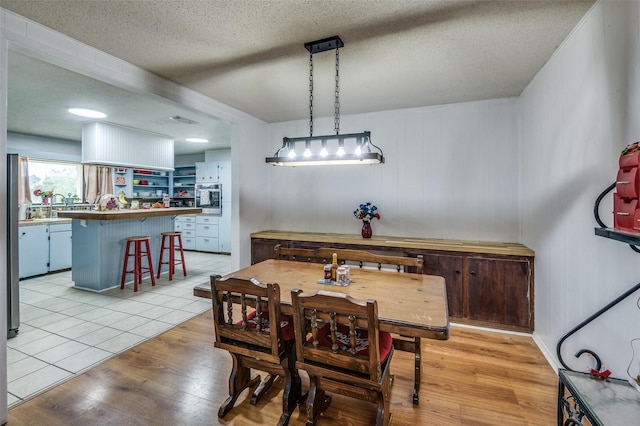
207,172
214,171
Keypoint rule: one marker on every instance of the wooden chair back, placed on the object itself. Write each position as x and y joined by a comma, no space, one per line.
362,258
321,308
238,300
330,347
248,324
293,253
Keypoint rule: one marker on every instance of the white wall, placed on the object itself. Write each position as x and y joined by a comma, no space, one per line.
450,172
44,148
217,155
575,117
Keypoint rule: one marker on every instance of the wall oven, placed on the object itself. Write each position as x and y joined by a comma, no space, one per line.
209,198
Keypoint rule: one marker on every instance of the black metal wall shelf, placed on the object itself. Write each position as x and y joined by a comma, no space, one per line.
632,238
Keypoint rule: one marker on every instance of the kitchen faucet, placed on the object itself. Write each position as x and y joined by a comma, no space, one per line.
53,197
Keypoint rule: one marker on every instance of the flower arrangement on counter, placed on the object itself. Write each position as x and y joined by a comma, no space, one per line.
44,194
366,212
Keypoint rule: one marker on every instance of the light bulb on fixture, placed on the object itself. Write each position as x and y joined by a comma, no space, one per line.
292,154
340,152
358,150
307,150
323,151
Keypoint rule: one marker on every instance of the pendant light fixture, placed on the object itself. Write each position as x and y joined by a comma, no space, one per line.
352,148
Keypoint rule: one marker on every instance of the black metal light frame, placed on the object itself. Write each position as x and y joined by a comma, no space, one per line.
363,140
364,153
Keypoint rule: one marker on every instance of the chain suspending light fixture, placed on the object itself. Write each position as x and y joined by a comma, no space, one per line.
352,148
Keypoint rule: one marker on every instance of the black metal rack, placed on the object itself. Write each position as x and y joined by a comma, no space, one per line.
631,238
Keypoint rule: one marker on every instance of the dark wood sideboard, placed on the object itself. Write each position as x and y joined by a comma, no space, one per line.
489,284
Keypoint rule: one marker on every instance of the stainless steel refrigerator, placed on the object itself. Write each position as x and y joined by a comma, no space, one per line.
13,295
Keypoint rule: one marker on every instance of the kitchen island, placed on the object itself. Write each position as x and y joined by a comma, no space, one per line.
99,241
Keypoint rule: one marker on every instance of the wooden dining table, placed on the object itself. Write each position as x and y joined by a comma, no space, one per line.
411,306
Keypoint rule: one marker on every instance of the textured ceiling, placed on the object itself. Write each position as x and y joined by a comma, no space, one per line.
249,54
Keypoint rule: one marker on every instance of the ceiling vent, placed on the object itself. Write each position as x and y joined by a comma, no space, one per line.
114,145
183,120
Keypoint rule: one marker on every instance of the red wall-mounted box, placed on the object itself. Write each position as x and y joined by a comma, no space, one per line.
624,211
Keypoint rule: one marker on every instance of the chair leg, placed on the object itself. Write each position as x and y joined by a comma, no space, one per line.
184,268
317,401
137,269
239,380
383,415
418,362
262,388
125,265
292,387
150,263
161,256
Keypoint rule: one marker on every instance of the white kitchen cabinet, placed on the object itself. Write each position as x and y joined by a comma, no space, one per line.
186,225
207,233
188,241
209,244
59,246
207,171
224,177
33,250
224,229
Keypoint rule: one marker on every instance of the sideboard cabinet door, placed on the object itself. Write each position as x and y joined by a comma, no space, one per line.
498,291
449,267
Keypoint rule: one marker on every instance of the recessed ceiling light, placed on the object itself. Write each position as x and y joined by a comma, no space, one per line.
89,113
198,140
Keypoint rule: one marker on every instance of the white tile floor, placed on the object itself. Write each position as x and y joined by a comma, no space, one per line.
64,331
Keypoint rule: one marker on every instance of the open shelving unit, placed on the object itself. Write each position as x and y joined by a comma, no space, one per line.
184,183
149,183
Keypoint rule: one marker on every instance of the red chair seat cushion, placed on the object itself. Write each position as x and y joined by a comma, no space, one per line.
286,324
362,342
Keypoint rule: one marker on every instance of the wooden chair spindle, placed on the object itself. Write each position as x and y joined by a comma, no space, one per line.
243,306
352,334
259,314
229,309
334,330
314,328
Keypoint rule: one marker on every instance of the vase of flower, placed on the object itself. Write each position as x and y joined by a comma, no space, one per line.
45,195
367,232
366,212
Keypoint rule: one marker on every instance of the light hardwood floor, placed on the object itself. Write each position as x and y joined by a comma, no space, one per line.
476,377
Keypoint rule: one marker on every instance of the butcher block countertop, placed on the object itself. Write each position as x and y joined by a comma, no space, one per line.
509,249
47,221
127,214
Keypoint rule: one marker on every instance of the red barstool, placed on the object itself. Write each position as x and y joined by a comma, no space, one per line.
137,255
173,246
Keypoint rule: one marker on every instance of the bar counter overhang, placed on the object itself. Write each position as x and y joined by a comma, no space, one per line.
99,241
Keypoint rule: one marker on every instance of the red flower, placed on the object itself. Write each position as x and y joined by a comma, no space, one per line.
37,192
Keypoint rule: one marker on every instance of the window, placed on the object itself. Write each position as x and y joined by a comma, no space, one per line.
61,177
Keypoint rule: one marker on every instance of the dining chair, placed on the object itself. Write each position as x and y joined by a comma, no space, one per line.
242,313
295,253
363,258
339,344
